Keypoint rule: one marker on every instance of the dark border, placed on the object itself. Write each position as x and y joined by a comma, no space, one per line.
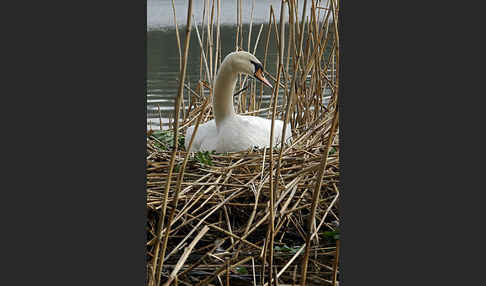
75,159
75,175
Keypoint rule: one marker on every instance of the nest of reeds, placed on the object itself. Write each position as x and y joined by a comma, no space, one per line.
261,215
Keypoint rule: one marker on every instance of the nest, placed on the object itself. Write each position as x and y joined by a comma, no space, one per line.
229,195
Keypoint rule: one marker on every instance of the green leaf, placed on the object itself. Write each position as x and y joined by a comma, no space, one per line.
204,158
332,151
330,233
166,138
181,140
286,248
294,250
242,270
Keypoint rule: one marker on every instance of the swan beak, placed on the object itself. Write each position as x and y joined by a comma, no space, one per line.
259,75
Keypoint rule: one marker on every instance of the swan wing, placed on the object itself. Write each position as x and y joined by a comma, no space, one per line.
262,128
237,134
205,134
250,131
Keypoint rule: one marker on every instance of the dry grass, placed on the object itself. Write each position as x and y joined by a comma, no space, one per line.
258,216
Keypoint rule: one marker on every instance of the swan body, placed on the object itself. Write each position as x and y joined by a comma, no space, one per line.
230,132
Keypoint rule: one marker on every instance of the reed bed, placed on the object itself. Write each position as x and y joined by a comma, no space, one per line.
265,216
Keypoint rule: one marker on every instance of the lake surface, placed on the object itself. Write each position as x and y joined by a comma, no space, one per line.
163,55
160,15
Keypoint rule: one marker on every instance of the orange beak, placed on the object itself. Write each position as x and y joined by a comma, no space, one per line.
259,75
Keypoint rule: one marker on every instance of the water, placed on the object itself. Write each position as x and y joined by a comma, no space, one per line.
163,55
160,15
163,67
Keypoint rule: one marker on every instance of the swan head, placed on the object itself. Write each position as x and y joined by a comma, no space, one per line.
245,62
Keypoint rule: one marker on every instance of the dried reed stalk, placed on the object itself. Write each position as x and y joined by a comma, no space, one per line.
155,276
177,35
184,256
316,194
274,189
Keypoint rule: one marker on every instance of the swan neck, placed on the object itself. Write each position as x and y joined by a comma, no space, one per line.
224,86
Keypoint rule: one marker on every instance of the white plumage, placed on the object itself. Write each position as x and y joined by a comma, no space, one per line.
230,132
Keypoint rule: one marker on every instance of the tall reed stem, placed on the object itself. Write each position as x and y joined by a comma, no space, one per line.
156,276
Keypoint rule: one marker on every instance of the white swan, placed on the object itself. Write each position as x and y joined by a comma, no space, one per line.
230,132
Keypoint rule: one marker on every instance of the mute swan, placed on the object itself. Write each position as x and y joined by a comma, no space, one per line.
228,131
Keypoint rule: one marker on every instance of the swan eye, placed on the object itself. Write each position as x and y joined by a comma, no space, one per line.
257,66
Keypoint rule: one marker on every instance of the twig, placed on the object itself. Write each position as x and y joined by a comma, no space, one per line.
184,256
